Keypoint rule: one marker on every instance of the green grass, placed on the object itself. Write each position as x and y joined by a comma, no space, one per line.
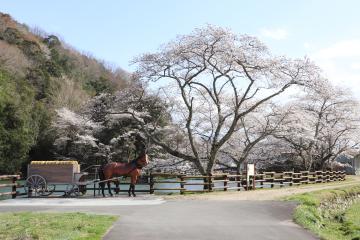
53,226
352,220
330,214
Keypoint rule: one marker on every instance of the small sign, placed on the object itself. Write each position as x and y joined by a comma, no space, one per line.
250,169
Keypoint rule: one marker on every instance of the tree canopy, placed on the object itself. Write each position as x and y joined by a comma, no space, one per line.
213,79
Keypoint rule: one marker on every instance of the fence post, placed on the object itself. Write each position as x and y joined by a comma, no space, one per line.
290,179
210,189
151,183
182,186
96,177
327,176
254,178
318,177
225,182
14,187
254,182
244,183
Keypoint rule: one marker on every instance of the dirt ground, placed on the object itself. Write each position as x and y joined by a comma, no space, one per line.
266,194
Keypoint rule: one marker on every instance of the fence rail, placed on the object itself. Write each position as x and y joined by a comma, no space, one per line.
13,185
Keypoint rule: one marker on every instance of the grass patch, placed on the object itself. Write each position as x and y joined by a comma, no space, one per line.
53,226
331,214
352,220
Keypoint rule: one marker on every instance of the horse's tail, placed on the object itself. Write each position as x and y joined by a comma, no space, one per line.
101,175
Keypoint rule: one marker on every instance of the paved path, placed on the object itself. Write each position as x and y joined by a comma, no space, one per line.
155,219
218,220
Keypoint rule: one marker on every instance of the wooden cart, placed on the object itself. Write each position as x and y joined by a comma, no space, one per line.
45,176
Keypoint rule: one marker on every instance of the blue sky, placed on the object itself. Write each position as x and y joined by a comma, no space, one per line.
116,31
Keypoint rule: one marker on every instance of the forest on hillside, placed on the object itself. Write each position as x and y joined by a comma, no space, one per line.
207,101
39,74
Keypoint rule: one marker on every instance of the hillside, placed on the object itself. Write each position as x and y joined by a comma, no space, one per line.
39,73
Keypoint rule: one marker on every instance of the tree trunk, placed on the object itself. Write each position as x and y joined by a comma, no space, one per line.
238,167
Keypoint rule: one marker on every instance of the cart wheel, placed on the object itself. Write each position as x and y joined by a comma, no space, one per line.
49,190
36,185
72,190
82,189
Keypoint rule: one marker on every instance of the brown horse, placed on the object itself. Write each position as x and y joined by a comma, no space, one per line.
114,169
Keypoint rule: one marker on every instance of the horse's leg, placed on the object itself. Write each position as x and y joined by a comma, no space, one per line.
117,188
102,185
102,178
129,192
133,182
109,188
133,190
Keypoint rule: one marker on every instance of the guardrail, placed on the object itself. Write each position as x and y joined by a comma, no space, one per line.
13,185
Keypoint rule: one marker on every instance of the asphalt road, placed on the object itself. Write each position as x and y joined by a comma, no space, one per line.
146,218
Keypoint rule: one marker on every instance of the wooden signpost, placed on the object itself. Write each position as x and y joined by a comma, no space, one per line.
250,172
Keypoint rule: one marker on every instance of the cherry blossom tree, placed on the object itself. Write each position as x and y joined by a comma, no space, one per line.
75,138
104,130
274,154
211,79
323,125
252,130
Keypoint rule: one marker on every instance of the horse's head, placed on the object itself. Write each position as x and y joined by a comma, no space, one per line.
143,160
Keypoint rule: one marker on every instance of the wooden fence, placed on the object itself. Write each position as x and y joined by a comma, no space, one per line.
290,178
208,183
13,185
223,182
181,183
